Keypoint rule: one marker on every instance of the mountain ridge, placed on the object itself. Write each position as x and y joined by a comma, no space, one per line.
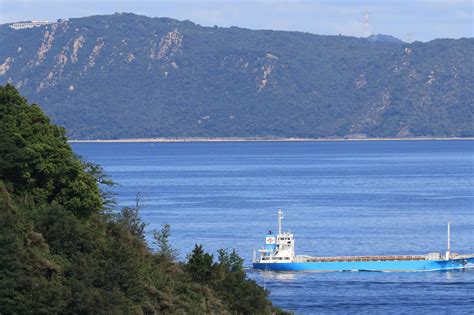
130,76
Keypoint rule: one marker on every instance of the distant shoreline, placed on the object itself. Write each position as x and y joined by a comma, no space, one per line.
257,139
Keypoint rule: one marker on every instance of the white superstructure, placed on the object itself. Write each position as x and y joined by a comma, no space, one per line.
280,248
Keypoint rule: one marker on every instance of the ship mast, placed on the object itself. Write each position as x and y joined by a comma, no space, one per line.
448,252
280,218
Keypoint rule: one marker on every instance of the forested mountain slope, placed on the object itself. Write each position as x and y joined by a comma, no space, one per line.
125,76
64,251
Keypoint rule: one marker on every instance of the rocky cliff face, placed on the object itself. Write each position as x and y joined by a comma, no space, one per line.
132,76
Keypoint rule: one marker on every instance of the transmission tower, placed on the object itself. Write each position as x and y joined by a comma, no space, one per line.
366,22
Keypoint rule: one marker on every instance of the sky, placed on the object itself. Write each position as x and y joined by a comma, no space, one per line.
421,20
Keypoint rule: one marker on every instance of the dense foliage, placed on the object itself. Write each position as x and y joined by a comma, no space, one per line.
124,75
61,252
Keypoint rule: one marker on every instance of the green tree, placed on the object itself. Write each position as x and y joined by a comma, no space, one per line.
200,265
10,251
130,217
60,252
230,261
161,241
36,160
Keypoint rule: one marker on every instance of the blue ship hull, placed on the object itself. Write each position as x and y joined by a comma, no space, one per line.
278,254
396,265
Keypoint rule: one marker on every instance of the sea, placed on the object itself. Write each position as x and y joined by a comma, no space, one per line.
338,198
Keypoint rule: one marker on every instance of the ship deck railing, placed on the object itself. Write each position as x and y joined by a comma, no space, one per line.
361,258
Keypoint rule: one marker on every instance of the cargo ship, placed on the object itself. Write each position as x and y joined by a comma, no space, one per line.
278,254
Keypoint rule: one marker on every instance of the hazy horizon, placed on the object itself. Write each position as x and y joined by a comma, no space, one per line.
421,20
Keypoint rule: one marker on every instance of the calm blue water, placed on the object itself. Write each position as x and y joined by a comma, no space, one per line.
339,198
